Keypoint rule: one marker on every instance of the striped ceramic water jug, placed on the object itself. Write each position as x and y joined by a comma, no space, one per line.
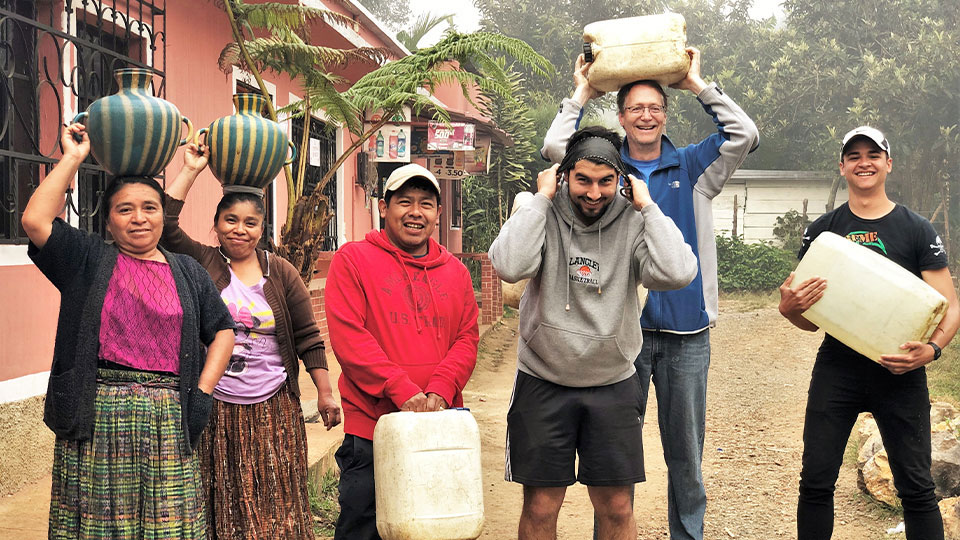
247,149
133,133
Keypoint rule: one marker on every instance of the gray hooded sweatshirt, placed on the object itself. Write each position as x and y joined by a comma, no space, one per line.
579,314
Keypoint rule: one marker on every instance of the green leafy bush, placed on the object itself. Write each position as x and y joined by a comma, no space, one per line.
751,267
789,230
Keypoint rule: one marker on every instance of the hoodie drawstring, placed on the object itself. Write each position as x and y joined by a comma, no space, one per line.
600,258
566,257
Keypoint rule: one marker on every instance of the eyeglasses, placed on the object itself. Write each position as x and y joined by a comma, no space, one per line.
655,110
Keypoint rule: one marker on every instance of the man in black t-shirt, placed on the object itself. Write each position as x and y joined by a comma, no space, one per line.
844,382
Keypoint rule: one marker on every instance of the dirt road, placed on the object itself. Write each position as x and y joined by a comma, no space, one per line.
757,391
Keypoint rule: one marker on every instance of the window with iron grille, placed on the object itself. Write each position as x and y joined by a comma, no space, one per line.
57,55
316,169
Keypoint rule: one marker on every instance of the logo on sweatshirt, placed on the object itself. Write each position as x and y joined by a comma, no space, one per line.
584,270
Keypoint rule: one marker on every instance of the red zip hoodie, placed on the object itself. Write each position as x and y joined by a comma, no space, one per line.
398,326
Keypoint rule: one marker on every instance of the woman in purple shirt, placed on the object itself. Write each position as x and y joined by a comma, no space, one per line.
130,390
254,454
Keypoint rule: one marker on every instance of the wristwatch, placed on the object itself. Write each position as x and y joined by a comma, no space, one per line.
936,350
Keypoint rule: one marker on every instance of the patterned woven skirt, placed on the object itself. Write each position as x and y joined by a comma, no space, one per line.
135,479
253,460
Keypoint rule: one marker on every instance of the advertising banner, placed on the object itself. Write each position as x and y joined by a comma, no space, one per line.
453,136
391,143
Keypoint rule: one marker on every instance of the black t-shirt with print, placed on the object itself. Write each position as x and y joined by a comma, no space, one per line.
902,236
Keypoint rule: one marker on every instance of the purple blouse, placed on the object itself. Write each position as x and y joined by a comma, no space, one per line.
142,318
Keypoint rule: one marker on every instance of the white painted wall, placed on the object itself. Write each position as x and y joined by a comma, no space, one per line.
763,196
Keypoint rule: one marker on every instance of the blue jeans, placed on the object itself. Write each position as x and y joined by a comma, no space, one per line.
678,365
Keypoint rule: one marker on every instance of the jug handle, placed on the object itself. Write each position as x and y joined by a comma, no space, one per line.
77,119
201,131
293,155
189,136
588,52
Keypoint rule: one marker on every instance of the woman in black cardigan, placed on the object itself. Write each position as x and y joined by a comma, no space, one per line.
130,384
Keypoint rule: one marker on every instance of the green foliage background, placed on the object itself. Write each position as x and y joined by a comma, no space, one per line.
805,80
751,267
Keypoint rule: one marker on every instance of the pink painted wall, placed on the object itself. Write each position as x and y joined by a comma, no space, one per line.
29,321
195,34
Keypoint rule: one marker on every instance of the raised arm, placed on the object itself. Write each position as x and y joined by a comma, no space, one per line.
662,258
194,161
174,238
571,110
517,252
47,200
722,153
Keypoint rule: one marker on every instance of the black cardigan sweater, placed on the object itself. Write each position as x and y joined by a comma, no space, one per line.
80,265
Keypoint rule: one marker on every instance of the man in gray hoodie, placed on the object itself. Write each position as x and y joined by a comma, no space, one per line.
585,250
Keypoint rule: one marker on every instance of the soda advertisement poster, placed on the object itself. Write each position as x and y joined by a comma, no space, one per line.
456,136
390,143
477,161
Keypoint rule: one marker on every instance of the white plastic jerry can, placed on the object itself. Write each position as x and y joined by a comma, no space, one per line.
428,477
871,304
636,48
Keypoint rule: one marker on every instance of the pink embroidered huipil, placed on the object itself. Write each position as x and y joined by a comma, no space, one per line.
142,318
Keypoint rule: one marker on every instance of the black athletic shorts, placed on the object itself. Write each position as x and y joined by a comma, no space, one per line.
549,425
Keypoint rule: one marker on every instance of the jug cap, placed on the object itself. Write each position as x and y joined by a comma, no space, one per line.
871,133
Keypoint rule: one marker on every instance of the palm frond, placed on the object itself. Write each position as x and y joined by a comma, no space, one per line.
276,15
299,58
230,56
423,25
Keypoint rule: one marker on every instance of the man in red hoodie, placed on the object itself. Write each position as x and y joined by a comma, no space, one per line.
403,325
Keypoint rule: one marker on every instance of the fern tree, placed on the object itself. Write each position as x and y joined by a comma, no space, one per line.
424,24
508,166
286,48
466,60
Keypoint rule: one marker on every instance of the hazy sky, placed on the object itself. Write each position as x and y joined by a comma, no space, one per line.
467,17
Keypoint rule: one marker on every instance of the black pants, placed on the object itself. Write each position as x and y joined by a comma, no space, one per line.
841,388
358,504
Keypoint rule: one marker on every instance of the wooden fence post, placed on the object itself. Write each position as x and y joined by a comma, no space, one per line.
733,233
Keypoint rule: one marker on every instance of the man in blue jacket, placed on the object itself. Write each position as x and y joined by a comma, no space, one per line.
676,324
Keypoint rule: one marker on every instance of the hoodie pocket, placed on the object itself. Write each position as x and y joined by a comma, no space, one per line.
554,344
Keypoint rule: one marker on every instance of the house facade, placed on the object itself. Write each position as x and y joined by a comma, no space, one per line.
57,57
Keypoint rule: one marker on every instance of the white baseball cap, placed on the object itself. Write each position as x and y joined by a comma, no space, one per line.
873,134
400,176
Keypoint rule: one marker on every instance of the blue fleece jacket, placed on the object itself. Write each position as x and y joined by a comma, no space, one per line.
683,186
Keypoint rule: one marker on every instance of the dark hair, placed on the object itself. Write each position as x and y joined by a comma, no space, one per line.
595,131
230,199
625,89
119,182
416,182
